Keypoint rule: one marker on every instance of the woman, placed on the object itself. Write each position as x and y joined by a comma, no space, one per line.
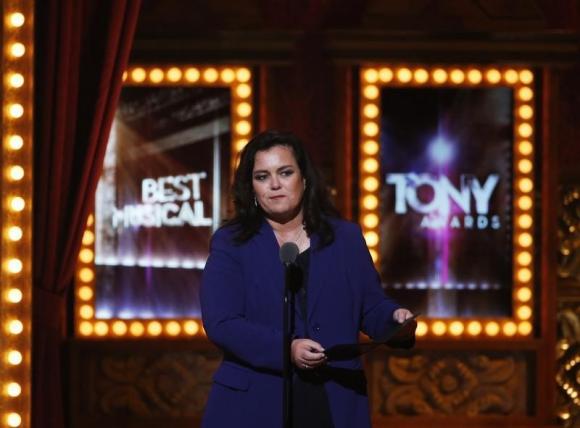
278,198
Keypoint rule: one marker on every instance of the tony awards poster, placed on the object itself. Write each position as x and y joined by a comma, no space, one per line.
446,201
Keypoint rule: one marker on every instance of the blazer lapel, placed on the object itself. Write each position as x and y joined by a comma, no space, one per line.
316,273
267,258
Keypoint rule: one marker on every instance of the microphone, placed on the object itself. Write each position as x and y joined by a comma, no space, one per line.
288,253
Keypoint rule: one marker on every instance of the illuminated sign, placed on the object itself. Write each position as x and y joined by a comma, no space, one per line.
166,202
163,192
445,197
446,181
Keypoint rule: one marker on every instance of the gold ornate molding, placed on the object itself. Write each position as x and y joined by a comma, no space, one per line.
568,375
568,345
569,234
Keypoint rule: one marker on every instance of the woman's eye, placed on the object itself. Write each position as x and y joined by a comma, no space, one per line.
287,173
260,177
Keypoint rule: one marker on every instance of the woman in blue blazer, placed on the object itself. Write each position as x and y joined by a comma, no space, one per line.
278,198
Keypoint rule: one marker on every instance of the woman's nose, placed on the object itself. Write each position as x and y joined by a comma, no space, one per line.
275,183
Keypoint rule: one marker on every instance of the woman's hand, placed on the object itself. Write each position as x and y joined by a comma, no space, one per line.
402,314
307,354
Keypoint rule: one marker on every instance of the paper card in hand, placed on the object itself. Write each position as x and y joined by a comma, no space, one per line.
399,336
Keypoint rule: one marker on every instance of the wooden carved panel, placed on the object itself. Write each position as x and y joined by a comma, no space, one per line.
450,383
138,385
173,384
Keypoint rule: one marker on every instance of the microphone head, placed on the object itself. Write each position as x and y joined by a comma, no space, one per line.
288,253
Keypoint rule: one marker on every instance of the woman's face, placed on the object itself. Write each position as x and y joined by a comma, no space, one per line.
278,183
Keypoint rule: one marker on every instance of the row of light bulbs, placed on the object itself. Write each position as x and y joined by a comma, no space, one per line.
523,193
460,328
16,135
136,328
443,75
223,76
369,167
238,79
373,78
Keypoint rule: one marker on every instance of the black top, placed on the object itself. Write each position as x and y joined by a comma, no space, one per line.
310,408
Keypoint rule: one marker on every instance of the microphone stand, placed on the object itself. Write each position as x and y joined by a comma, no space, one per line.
288,253
286,366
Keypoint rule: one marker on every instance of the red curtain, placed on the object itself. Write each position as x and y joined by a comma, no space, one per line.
81,50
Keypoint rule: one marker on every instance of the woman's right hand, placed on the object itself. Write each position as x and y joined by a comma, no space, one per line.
307,354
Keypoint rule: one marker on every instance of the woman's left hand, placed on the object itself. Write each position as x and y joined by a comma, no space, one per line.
307,354
402,314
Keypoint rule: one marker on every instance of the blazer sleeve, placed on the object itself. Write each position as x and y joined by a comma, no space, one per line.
376,308
223,309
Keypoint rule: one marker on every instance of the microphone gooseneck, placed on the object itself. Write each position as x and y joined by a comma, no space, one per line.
288,253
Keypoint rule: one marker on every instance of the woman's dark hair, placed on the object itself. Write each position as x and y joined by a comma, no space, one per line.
316,201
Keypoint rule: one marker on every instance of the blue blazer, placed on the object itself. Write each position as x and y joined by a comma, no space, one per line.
241,302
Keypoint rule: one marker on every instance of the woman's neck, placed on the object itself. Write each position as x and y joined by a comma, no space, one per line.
291,231
287,227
